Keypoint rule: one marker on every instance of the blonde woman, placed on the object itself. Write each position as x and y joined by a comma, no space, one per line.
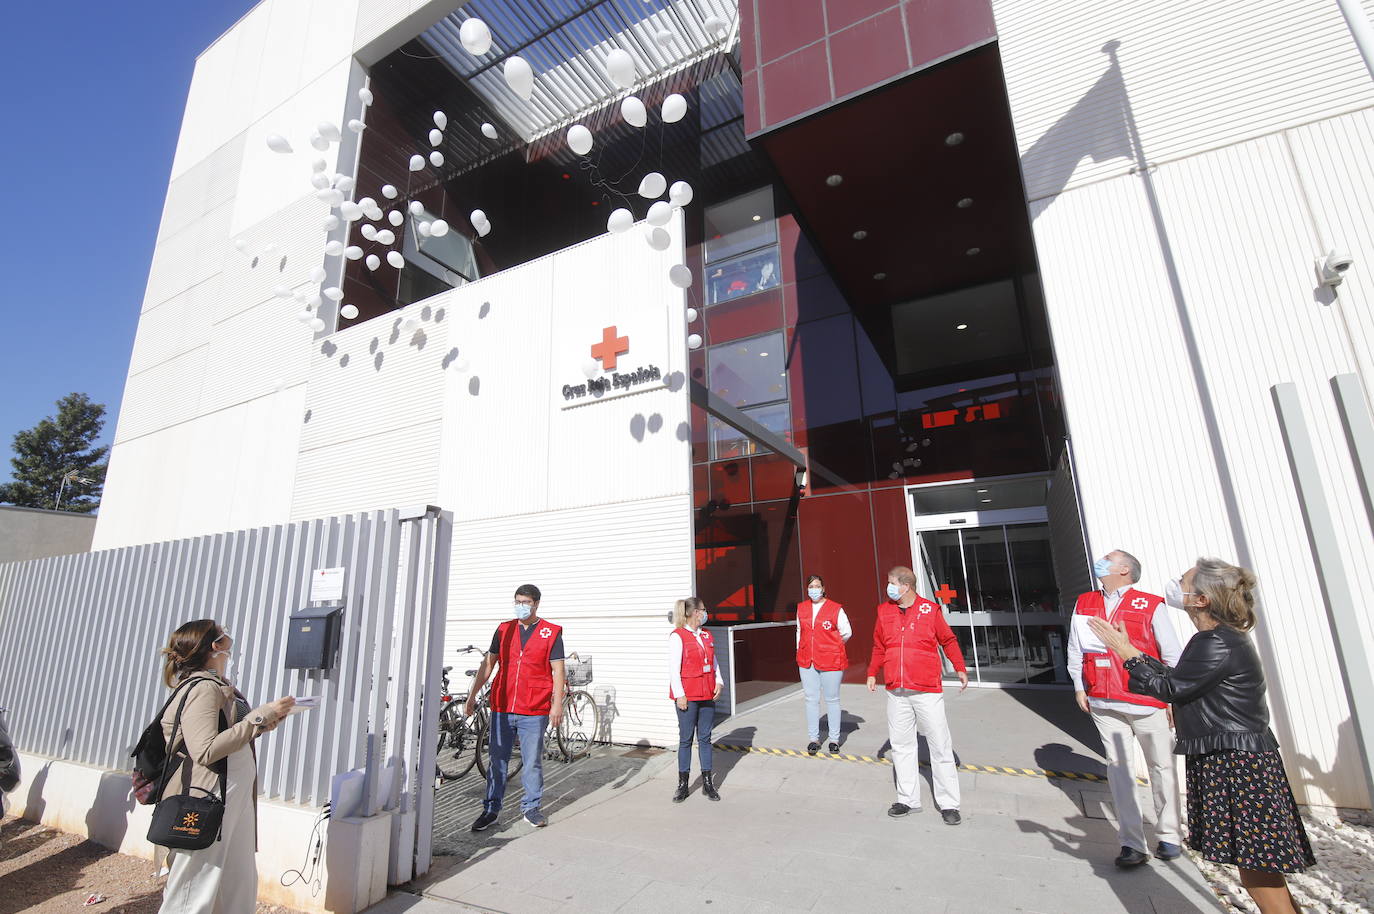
214,752
1241,810
694,682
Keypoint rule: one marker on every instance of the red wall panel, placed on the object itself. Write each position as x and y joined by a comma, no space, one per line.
837,544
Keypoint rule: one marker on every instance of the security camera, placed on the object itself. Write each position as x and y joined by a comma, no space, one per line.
1332,269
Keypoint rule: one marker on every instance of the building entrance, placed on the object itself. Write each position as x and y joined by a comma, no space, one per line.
993,573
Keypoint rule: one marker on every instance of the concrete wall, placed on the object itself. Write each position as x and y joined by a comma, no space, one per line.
33,533
1184,165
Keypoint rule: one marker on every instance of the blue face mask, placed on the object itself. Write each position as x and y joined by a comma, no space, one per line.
815,593
1103,567
894,592
523,611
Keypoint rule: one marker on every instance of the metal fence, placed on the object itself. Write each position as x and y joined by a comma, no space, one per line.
80,667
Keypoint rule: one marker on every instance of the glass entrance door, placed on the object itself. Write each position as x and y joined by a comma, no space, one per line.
996,584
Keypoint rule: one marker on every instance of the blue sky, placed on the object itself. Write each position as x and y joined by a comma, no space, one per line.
93,96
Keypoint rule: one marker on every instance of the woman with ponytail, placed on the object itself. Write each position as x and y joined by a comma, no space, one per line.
1241,809
694,682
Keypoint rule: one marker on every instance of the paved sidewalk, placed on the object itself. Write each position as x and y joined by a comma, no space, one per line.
803,834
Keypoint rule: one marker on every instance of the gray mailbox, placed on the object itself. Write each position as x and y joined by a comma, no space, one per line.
312,641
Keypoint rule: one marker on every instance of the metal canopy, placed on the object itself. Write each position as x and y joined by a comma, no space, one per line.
566,43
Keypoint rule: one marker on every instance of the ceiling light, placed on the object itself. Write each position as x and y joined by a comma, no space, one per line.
982,491
961,326
763,355
757,218
860,235
835,180
954,139
974,252
986,500
880,276
965,203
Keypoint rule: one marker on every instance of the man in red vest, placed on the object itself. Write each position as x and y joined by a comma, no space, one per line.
1122,715
526,698
907,640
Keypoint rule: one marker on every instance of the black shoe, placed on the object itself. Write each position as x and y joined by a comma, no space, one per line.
951,816
682,788
708,786
1167,851
484,821
1131,857
897,810
834,747
813,747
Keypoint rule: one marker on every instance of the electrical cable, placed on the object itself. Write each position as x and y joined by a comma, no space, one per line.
310,871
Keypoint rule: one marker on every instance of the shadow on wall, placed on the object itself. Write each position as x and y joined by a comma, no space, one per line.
107,822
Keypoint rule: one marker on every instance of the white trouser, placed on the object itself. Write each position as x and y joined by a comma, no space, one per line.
922,713
222,878
1157,742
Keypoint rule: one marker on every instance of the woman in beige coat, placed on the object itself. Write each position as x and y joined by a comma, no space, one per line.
222,878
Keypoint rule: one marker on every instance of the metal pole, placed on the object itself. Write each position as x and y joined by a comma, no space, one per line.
1335,585
1359,434
1360,30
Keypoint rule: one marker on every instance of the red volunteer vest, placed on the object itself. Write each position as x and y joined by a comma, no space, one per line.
1104,675
698,666
820,643
907,645
524,681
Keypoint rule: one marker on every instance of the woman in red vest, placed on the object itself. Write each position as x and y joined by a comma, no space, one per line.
693,684
822,630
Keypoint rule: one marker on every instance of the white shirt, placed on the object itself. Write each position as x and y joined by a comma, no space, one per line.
1165,637
675,688
842,623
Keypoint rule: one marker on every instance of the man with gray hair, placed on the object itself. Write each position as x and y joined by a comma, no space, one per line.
1101,681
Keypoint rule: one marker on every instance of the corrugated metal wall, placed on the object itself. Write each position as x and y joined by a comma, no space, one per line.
1178,296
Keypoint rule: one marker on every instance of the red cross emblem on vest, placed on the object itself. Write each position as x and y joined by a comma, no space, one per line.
1140,602
826,625
545,632
610,347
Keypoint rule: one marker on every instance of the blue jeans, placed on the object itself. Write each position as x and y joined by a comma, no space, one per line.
504,729
699,717
814,683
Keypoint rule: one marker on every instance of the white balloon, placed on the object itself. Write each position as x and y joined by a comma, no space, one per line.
579,139
390,192
395,217
714,25
334,248
304,317
660,213
317,274
620,221
299,295
590,368
461,366
334,293
477,217
330,222
693,341
319,142
386,236
652,186
313,301
319,181
343,183
484,229
680,276
281,292
319,165
369,231
241,245
350,211
674,108
373,212
436,158
395,259
658,238
664,37
348,312
436,136
423,229
519,76
317,324
620,67
680,193
417,162
373,261
365,95
691,315
269,250
278,143
328,131
330,196
356,125
489,131
475,37
353,252
634,112
416,207
438,228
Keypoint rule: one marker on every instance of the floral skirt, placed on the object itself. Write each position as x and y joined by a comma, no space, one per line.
1241,811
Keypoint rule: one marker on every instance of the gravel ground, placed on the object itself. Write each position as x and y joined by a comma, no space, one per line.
46,871
1342,882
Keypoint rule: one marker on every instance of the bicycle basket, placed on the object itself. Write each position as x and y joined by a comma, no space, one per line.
579,671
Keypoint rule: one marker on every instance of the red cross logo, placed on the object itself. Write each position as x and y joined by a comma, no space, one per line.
1140,602
610,347
945,594
826,625
545,632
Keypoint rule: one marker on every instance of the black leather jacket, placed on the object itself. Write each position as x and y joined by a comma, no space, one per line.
1217,691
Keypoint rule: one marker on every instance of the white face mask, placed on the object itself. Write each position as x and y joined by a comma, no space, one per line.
523,611
1174,594
228,662
815,593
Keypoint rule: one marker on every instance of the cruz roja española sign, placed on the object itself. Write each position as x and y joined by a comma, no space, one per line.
606,377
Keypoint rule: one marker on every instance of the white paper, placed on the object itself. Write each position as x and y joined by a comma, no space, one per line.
326,585
1087,638
305,703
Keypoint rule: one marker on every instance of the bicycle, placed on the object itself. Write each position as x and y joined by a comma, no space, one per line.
581,715
460,737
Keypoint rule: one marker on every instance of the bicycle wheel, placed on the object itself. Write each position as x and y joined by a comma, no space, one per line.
581,720
457,743
484,749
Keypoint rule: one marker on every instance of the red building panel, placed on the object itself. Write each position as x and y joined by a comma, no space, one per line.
938,28
840,14
869,53
796,84
786,26
837,544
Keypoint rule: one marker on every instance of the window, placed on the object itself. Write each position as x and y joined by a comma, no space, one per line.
750,375
740,225
728,441
742,276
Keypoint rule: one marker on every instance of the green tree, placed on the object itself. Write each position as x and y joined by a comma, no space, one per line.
56,449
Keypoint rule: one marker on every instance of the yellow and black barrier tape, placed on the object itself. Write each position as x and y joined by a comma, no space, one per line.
872,760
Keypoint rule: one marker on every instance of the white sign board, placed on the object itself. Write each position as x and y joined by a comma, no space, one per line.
326,585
